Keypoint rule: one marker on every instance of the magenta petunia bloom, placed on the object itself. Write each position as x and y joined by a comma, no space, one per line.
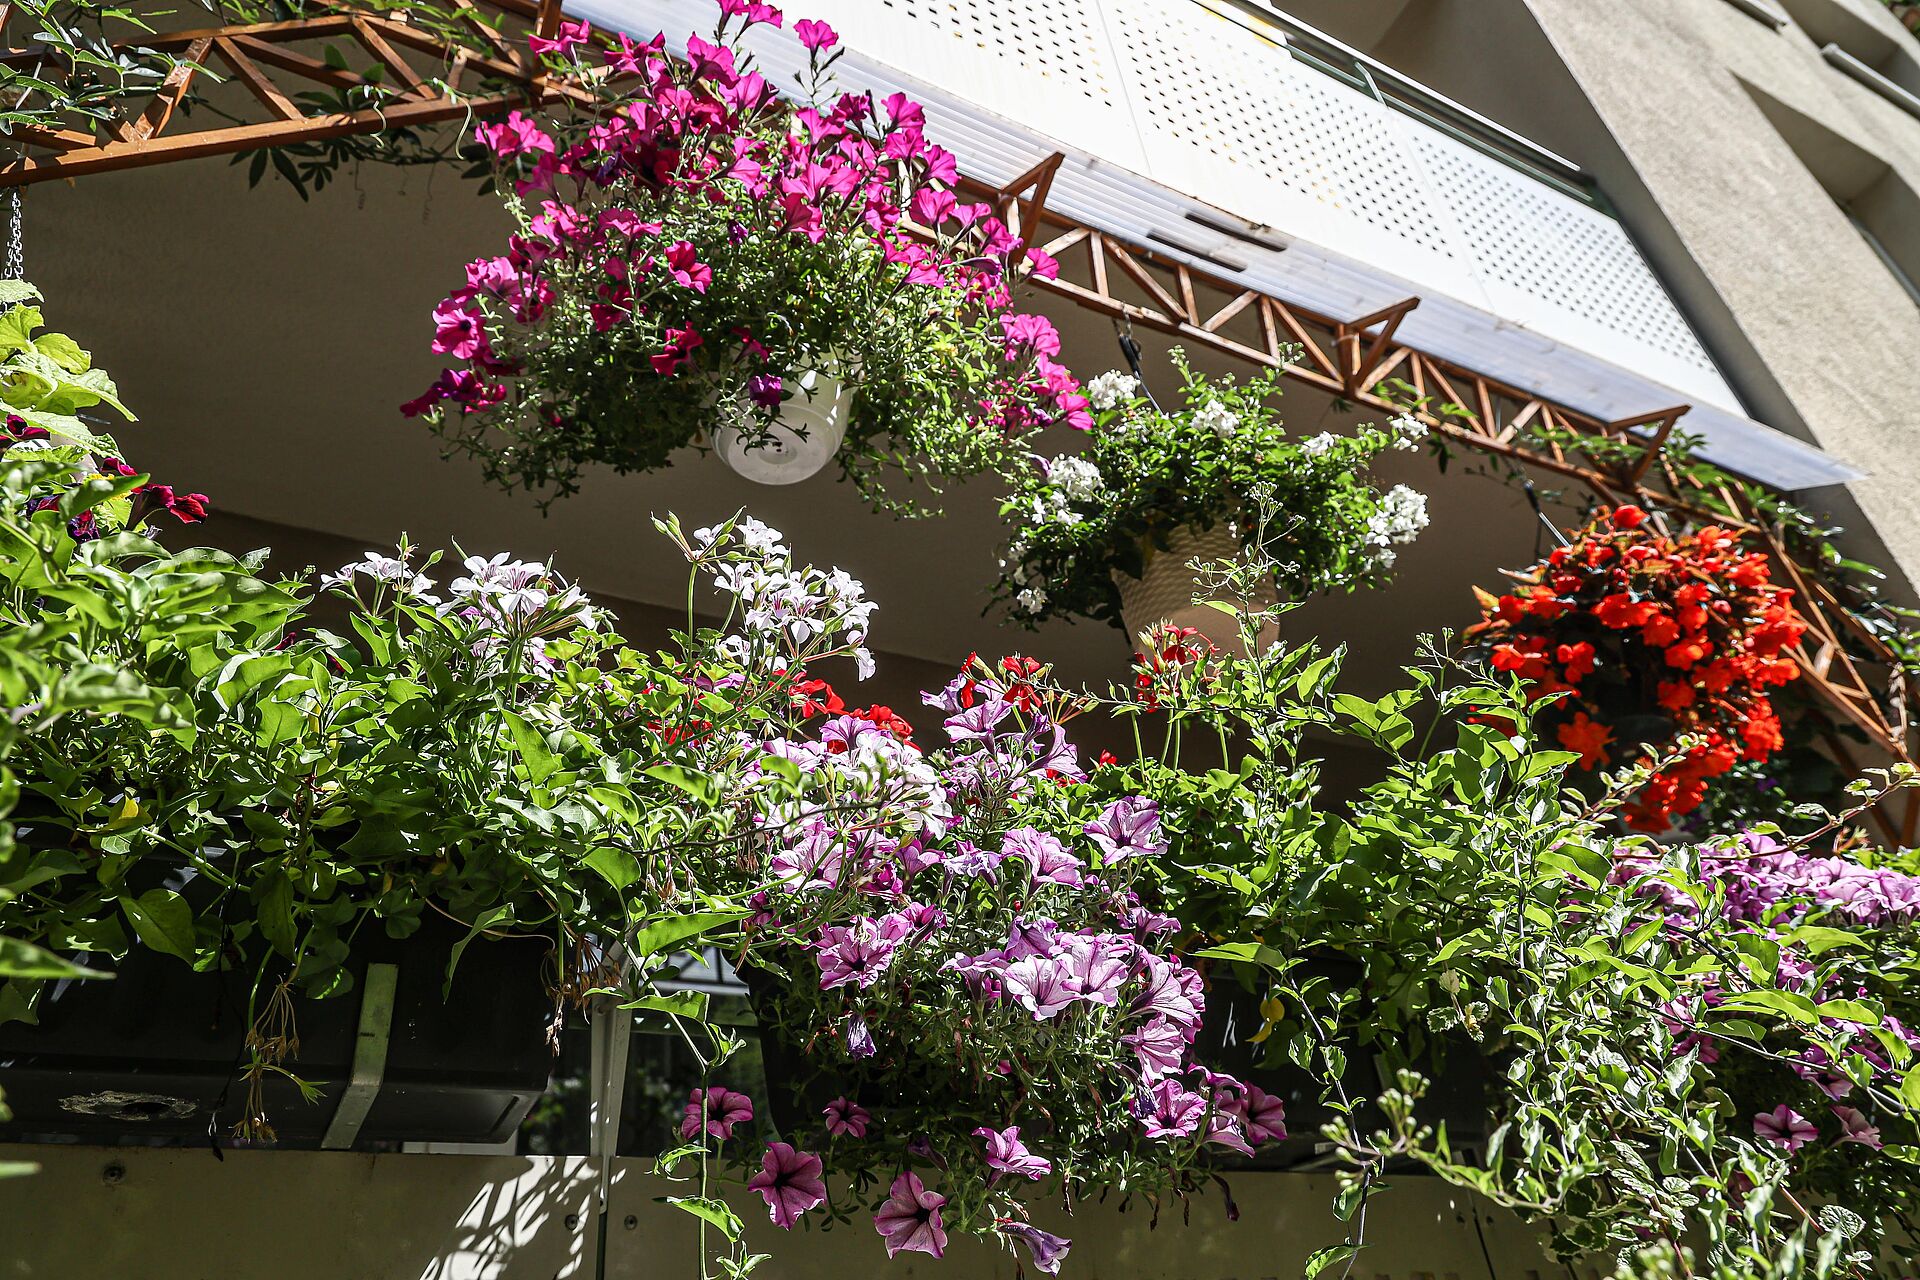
1784,1127
1174,1110
789,1181
723,1109
1855,1127
858,953
1048,1250
910,1219
847,1119
1007,1154
684,265
1264,1115
569,35
816,35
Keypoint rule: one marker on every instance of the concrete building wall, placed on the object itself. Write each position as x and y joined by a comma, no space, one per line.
1728,146
1719,118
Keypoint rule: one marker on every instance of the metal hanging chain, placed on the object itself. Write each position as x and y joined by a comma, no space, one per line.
16,256
1123,330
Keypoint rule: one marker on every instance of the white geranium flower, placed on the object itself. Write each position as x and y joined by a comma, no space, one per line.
1319,445
1216,417
1111,389
1077,479
1408,431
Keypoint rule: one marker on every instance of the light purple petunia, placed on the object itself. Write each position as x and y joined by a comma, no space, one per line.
979,722
1855,1127
910,1219
1006,1154
858,953
859,1037
1048,861
790,1182
1042,985
1128,828
1159,1047
1099,966
1264,1115
1047,1250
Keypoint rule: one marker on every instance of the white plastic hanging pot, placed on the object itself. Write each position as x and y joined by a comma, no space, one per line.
802,439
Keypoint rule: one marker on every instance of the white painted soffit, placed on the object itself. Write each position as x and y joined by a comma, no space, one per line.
1475,319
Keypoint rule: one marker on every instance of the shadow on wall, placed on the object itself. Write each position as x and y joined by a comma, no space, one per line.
154,1214
176,1214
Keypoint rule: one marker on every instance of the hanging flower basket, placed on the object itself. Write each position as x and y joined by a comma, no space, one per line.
686,246
1645,640
1109,533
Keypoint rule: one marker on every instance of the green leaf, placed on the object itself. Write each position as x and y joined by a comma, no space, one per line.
541,763
681,1004
15,292
163,922
673,930
713,1211
1246,953
63,351
1321,1259
1910,1090
616,866
276,913
697,785
20,959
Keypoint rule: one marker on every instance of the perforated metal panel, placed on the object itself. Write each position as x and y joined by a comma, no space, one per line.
1525,237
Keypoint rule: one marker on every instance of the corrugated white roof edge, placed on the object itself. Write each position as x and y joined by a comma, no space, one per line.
1101,194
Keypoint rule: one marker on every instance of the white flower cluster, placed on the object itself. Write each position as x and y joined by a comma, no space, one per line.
520,596
1077,479
1401,516
394,571
1111,389
1408,431
1052,507
1216,417
1320,445
791,614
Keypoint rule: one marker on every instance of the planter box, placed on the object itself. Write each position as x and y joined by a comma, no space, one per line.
1457,1095
157,1051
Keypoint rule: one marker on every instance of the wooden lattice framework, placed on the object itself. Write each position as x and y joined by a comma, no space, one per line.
426,78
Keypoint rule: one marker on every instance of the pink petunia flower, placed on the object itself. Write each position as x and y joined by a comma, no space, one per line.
815,35
719,1109
847,1119
910,1219
1784,1127
1007,1154
1855,1127
789,1181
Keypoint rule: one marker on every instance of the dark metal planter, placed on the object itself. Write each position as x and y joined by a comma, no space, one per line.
1459,1072
156,1053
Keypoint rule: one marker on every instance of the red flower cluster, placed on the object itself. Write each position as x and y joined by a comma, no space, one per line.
1170,656
1651,638
815,697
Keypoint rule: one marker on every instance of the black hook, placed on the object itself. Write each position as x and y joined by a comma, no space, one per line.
1533,500
1131,350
